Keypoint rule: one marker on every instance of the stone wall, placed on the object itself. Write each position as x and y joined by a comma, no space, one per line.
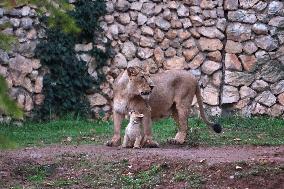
234,47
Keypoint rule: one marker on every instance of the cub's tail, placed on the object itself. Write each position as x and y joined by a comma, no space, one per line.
215,126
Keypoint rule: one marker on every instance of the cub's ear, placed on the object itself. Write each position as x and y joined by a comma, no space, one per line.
132,71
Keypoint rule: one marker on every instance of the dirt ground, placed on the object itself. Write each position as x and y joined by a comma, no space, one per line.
89,166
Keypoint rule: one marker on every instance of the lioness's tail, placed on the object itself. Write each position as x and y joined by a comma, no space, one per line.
215,126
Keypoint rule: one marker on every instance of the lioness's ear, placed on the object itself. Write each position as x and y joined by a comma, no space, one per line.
132,71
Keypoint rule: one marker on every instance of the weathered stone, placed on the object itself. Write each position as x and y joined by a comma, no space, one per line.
189,43
211,95
38,99
194,33
141,19
260,28
246,4
159,35
249,47
238,78
83,47
174,63
147,42
137,6
165,44
172,5
25,10
144,53
113,30
122,5
266,98
258,109
229,95
208,4
211,32
186,23
4,58
97,100
260,6
266,43
249,62
159,55
176,24
230,4
277,21
146,30
183,35
281,98
209,67
274,7
158,9
150,66
217,78
277,88
271,71
215,56
195,10
129,50
238,32
1,12
197,61
32,34
15,22
183,11
134,62
171,34
233,47
260,85
241,105
247,92
210,44
170,52
124,18
163,24
232,62
167,14
220,12
210,22
242,16
3,71
26,23
21,64
120,61
148,8
221,24
38,85
276,110
196,20
189,54
36,64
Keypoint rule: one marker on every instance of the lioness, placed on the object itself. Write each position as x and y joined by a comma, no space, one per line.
133,133
167,93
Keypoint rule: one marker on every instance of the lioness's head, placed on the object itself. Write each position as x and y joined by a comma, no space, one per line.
140,82
135,117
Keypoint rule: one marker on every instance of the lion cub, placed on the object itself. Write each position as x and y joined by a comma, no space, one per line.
133,132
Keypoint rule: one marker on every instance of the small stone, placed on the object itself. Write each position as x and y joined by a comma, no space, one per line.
260,6
196,20
259,109
4,58
3,71
146,42
135,62
233,47
238,78
221,24
183,11
277,21
211,95
209,67
122,5
148,8
277,88
38,85
215,56
159,55
141,19
176,24
26,23
189,43
211,32
159,35
238,32
230,4
266,98
186,23
163,24
129,50
175,63
36,64
171,34
165,44
170,52
260,85
21,64
124,18
183,35
229,95
189,54
274,7
197,61
246,4
247,92
83,47
210,44
167,14
249,47
25,11
113,29
266,43
146,30
38,99
97,100
120,61
172,5
232,62
194,33
242,16
249,62
217,78
281,99
144,53
260,28
15,22
137,6
276,110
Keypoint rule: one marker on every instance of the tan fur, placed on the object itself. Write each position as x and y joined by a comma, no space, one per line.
171,95
133,132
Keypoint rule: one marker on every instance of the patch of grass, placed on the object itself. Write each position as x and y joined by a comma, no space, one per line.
193,179
236,131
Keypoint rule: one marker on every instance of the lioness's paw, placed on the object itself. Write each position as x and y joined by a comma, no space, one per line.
151,144
113,143
174,141
136,147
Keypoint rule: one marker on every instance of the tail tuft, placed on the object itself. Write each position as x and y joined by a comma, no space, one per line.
217,128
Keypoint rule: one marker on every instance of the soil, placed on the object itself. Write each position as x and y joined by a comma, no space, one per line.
178,167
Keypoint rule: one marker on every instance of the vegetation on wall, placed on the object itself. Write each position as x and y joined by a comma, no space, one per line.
65,86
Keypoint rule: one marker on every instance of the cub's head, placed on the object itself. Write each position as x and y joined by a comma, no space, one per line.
135,117
140,82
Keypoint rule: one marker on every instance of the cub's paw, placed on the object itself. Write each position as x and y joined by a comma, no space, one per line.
151,144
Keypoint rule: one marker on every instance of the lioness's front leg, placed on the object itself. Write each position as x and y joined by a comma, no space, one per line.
117,119
148,139
125,141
